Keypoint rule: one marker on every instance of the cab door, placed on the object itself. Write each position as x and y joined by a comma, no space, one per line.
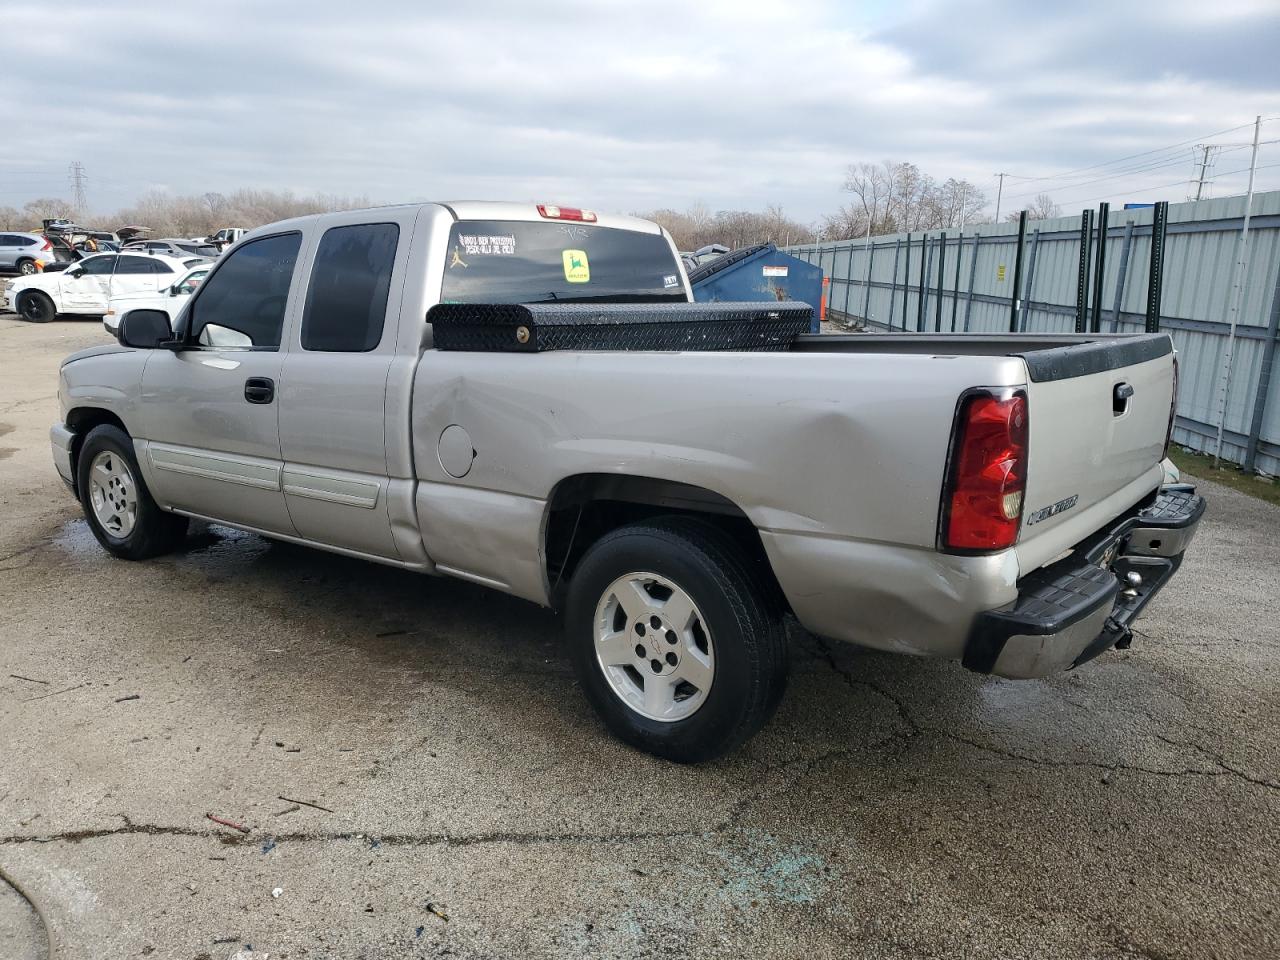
136,275
334,384
83,286
210,411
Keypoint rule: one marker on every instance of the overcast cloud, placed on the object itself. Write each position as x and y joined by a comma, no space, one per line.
626,106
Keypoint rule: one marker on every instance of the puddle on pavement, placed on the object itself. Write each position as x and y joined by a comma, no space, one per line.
77,539
207,546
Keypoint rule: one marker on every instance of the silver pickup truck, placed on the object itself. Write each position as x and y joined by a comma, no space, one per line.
996,500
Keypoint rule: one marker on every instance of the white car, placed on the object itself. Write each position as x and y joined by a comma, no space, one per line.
85,287
168,299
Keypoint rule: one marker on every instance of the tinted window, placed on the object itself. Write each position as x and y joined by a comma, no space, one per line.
135,265
247,294
516,262
97,265
6,240
347,300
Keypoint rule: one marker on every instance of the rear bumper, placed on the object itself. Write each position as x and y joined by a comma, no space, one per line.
1073,610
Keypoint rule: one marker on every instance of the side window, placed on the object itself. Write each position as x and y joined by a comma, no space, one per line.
192,281
243,302
347,299
134,265
98,265
159,266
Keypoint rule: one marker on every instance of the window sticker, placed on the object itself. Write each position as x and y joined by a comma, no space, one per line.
671,280
485,245
576,267
455,259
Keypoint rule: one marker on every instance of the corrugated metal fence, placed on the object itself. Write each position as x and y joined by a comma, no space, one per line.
880,284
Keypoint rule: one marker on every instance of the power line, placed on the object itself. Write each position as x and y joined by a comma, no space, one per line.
1114,176
1164,186
1144,153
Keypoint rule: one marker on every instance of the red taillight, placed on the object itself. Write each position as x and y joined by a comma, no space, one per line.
552,212
984,494
47,245
1173,411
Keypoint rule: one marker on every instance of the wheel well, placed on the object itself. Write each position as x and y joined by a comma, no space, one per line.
83,419
584,508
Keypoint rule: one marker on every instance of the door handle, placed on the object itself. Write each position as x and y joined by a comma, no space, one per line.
259,389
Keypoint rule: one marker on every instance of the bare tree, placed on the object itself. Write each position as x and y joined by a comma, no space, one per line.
47,208
11,219
892,197
1041,208
696,227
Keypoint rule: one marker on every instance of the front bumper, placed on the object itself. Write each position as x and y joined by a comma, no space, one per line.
1074,609
62,440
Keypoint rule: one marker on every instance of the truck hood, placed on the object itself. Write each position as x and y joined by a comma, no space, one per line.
95,352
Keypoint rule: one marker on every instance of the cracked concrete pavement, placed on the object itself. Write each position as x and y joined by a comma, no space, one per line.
421,777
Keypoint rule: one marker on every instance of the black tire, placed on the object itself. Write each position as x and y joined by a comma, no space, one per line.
27,267
154,531
744,621
36,307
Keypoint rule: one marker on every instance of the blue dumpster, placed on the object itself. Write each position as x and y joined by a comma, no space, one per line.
762,273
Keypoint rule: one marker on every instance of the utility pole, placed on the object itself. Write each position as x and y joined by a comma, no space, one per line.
1237,289
999,195
1204,149
77,174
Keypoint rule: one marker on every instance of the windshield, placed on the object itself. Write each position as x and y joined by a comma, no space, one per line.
538,262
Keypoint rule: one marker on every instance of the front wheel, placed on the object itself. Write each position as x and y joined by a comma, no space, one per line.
116,501
36,308
678,647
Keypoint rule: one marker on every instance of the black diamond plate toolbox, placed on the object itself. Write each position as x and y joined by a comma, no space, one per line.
537,327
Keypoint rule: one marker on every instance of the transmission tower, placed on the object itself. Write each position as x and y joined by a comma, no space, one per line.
78,178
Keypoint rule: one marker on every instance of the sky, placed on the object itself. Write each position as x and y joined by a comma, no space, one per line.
632,106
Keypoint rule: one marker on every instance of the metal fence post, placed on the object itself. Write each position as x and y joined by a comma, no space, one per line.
922,301
1122,275
1100,267
1082,277
1155,276
1015,301
955,286
906,284
942,268
866,287
973,275
1264,382
1031,273
848,283
893,290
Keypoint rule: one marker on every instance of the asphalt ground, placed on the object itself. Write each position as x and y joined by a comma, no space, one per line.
420,775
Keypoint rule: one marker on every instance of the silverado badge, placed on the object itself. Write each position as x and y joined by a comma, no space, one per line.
1044,513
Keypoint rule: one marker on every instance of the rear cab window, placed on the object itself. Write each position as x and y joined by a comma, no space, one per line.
514,261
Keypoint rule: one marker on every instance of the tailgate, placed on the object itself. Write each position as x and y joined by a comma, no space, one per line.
1099,413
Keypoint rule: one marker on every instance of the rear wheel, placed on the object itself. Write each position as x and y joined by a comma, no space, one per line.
677,647
36,307
27,267
121,513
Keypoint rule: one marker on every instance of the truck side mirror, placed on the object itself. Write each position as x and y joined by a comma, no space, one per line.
145,329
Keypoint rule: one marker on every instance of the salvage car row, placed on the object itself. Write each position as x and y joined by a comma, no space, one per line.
98,284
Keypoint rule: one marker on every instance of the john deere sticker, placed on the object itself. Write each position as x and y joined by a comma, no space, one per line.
576,268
